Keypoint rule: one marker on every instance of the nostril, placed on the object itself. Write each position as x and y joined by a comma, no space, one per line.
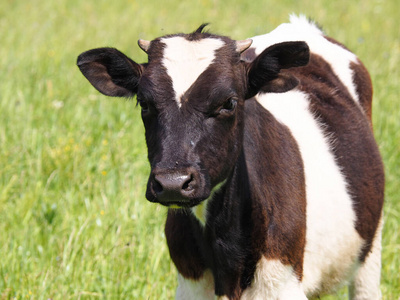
188,184
157,186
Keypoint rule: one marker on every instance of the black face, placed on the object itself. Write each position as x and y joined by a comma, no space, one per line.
193,147
193,143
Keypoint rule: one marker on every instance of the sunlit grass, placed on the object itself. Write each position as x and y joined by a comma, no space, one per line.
74,222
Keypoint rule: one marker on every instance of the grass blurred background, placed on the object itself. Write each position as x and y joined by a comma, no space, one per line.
74,222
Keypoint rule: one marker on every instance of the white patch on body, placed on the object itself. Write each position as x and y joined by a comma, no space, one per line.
186,60
300,29
273,280
332,243
201,289
365,284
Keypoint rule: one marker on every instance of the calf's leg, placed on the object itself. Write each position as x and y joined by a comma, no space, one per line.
365,284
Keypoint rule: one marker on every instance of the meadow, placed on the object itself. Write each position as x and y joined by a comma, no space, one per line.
74,222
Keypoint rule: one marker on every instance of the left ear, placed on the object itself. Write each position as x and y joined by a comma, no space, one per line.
264,73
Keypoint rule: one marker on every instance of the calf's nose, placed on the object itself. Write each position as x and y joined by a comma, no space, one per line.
173,187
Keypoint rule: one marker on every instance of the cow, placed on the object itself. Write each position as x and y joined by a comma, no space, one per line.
263,151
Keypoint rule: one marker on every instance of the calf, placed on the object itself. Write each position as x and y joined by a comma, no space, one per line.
263,152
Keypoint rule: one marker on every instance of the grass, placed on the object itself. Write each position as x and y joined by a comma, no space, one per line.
74,222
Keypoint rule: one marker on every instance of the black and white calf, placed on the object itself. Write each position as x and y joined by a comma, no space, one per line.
264,153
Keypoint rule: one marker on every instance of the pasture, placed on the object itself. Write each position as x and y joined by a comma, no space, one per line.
74,221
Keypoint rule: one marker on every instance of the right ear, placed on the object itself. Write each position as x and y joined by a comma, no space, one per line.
110,71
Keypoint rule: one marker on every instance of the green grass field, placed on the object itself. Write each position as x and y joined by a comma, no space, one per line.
74,222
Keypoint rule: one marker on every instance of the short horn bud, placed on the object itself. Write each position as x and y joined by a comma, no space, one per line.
144,45
243,45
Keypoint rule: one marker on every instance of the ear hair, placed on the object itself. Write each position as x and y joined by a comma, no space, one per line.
281,84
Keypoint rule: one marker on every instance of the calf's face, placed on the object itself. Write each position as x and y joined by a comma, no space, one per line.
192,94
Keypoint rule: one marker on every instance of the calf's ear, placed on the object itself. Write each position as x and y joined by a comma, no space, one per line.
264,73
110,71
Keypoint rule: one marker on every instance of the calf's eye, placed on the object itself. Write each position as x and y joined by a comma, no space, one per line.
143,104
229,105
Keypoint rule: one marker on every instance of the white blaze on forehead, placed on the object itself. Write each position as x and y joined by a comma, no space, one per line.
186,60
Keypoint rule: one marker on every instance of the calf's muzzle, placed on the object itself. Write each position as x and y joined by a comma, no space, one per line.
173,186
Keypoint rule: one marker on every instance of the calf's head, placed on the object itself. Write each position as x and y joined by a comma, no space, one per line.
192,93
